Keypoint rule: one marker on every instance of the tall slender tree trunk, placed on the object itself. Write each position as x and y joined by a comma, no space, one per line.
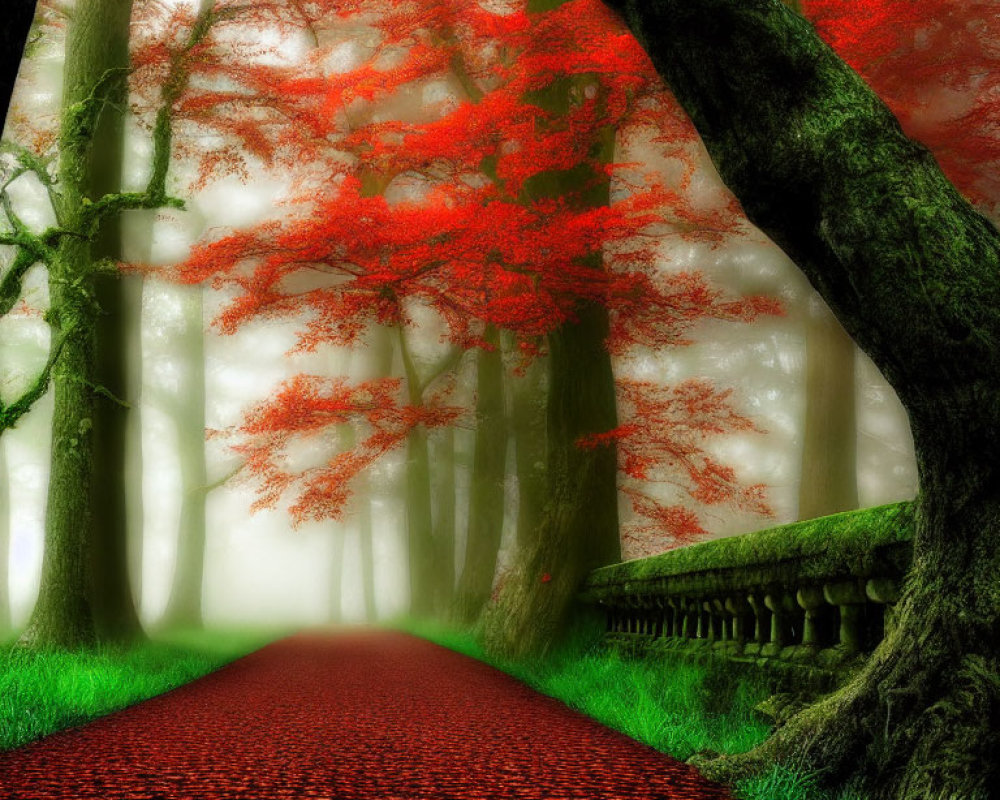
382,353
445,522
527,425
829,450
579,526
424,548
913,273
366,546
486,491
184,607
335,592
114,606
142,230
79,545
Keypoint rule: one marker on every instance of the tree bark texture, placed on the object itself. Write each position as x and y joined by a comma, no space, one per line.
527,427
913,273
94,72
114,606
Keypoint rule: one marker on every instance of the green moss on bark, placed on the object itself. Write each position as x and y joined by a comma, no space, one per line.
913,273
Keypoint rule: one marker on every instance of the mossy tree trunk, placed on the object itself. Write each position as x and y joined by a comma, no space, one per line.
184,606
578,531
913,273
114,605
422,542
486,490
64,614
18,15
829,480
527,427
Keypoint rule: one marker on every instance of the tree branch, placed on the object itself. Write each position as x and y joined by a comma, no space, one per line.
11,414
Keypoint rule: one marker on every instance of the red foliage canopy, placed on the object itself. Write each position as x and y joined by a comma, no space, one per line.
449,156
937,64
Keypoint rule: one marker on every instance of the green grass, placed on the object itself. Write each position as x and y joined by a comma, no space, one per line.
677,707
44,692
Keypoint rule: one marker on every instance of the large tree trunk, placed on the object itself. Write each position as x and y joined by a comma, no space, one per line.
114,606
486,490
13,36
184,607
913,273
64,615
579,527
829,481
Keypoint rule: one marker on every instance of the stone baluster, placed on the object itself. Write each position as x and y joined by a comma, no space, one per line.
690,627
885,592
677,614
811,600
775,602
738,608
761,623
707,631
850,598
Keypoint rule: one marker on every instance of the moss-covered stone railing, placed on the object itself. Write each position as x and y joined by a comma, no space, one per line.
813,596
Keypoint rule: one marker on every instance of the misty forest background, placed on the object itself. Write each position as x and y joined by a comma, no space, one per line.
200,554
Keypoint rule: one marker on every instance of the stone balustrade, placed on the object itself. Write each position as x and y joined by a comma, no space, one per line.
809,599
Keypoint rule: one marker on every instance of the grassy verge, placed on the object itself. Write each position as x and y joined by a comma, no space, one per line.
677,707
44,692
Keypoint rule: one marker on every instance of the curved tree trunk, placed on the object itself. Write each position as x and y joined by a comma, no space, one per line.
913,273
13,37
64,614
829,481
486,491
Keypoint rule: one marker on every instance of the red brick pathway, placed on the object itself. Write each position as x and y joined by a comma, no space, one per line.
359,716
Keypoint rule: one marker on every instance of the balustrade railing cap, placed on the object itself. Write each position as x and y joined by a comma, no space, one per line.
852,543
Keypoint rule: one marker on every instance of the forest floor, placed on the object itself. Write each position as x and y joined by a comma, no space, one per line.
353,716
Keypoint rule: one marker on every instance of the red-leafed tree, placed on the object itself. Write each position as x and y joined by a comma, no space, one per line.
912,270
493,208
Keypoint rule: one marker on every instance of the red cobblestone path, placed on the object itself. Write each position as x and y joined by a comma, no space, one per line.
368,715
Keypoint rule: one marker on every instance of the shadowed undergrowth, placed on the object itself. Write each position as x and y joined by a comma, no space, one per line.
677,707
43,692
